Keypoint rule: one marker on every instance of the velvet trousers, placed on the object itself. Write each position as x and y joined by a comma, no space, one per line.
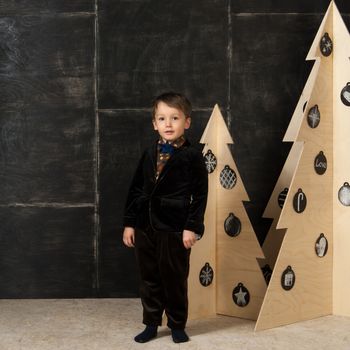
164,266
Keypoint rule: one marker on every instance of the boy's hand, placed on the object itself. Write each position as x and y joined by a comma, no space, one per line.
189,238
129,236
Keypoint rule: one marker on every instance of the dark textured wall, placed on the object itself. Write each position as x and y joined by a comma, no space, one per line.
76,80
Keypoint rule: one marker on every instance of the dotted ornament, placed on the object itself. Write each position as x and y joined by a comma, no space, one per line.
288,278
210,161
228,178
282,197
344,194
313,117
267,272
321,246
345,94
320,163
240,295
299,201
206,275
326,45
232,225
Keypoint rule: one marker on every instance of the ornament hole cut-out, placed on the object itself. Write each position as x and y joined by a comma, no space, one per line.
288,278
320,163
267,272
344,194
240,295
232,225
282,197
313,117
210,161
228,177
299,201
345,94
326,45
321,246
206,275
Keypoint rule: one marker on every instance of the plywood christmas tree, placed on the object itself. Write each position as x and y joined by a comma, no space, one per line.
274,237
308,277
238,282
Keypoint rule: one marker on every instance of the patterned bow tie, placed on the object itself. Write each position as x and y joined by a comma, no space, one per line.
166,148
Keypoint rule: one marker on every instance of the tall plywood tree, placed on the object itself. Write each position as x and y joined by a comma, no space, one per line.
238,283
308,278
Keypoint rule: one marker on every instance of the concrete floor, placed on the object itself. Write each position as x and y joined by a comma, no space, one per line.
104,324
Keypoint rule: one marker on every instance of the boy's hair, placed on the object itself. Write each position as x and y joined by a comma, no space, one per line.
175,100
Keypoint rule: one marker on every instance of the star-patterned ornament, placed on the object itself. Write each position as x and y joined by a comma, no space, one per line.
240,295
326,45
228,177
206,275
210,161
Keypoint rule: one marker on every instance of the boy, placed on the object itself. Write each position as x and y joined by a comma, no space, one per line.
166,205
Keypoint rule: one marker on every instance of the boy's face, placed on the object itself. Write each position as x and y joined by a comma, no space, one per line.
170,122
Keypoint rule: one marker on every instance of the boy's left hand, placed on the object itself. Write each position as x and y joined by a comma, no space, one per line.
188,238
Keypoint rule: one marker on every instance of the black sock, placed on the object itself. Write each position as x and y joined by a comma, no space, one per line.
149,333
179,335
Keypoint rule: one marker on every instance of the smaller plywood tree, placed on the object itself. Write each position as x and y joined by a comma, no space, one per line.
238,286
273,209
274,237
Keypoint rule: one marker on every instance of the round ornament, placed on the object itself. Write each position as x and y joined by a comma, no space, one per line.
345,94
240,295
267,272
299,201
288,278
344,194
210,161
321,246
206,275
326,45
313,117
320,163
232,225
228,178
282,197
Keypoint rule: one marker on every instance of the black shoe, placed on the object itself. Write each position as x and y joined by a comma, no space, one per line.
149,333
179,336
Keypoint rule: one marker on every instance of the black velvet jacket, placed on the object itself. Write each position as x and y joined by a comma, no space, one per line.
177,200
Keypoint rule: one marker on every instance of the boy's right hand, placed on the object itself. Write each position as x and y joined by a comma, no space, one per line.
129,236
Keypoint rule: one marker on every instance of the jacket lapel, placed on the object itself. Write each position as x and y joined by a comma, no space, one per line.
153,156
